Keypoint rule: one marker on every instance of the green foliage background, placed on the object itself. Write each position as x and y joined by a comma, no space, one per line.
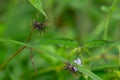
88,29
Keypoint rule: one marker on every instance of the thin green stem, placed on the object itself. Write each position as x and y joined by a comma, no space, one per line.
87,51
119,55
29,37
16,53
111,9
113,6
106,26
11,57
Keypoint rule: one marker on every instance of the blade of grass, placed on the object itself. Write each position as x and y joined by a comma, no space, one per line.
111,9
87,72
26,45
37,4
81,69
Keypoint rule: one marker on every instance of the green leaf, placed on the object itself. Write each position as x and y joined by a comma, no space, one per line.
118,73
81,69
42,49
98,29
97,43
64,42
112,8
104,8
27,45
37,4
87,72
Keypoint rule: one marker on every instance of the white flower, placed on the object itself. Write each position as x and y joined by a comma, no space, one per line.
78,61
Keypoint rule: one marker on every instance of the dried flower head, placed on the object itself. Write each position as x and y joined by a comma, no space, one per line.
40,26
69,67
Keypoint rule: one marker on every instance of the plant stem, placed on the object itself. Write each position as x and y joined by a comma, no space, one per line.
108,19
106,26
32,60
29,37
16,53
11,57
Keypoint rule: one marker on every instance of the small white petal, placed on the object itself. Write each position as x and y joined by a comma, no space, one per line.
78,61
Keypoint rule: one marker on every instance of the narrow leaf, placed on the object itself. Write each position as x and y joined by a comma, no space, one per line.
87,72
104,8
42,49
97,43
81,69
37,4
64,42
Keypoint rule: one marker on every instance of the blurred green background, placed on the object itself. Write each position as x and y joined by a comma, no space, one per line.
80,20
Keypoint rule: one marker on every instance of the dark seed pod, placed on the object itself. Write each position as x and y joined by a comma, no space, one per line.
39,26
71,68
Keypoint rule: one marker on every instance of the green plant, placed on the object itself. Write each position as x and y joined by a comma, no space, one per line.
62,52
